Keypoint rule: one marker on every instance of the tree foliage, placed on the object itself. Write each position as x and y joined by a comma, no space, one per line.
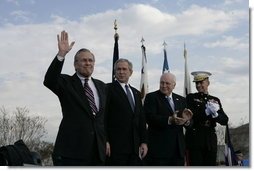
20,125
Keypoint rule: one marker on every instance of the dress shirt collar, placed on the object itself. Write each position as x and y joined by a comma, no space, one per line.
123,84
170,96
82,78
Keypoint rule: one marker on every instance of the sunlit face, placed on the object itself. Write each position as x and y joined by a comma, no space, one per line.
84,63
167,84
123,72
202,86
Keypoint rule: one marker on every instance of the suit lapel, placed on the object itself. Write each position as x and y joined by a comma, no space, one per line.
119,90
122,93
165,100
170,108
176,101
80,94
100,94
134,92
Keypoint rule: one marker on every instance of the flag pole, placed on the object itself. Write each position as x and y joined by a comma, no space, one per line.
116,50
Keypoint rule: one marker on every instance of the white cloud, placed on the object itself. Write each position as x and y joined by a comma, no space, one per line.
229,2
199,20
230,42
22,16
16,2
235,66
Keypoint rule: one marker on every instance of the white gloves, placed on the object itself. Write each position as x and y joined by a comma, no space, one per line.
212,108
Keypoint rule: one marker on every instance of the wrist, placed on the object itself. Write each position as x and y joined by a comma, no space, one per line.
62,53
59,57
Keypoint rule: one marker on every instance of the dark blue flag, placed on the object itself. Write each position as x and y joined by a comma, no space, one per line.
165,63
115,55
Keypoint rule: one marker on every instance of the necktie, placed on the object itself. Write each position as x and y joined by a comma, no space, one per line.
171,103
129,97
90,97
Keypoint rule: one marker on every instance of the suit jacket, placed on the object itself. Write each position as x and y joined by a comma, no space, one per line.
126,129
79,129
202,133
163,138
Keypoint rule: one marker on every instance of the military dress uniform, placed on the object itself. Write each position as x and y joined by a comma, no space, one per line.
201,138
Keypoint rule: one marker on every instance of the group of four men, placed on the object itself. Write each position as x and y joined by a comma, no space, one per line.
107,124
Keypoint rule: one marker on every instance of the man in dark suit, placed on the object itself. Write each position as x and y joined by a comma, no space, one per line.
201,138
81,139
166,115
125,120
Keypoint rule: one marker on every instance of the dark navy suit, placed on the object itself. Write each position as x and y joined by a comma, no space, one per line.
126,129
166,145
81,136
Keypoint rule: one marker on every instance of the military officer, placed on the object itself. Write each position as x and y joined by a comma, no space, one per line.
201,138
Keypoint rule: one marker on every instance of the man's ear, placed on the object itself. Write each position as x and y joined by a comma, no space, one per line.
131,72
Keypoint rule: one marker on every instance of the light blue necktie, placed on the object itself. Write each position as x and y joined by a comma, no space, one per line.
171,103
129,97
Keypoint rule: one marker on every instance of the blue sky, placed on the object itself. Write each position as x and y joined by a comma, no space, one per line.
216,34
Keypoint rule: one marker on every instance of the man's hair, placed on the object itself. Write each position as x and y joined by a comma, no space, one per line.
80,51
130,66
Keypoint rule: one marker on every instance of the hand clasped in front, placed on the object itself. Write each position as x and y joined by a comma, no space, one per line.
186,116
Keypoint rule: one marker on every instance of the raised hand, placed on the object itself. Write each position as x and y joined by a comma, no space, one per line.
63,44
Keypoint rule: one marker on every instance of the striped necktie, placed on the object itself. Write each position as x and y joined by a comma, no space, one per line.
90,97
